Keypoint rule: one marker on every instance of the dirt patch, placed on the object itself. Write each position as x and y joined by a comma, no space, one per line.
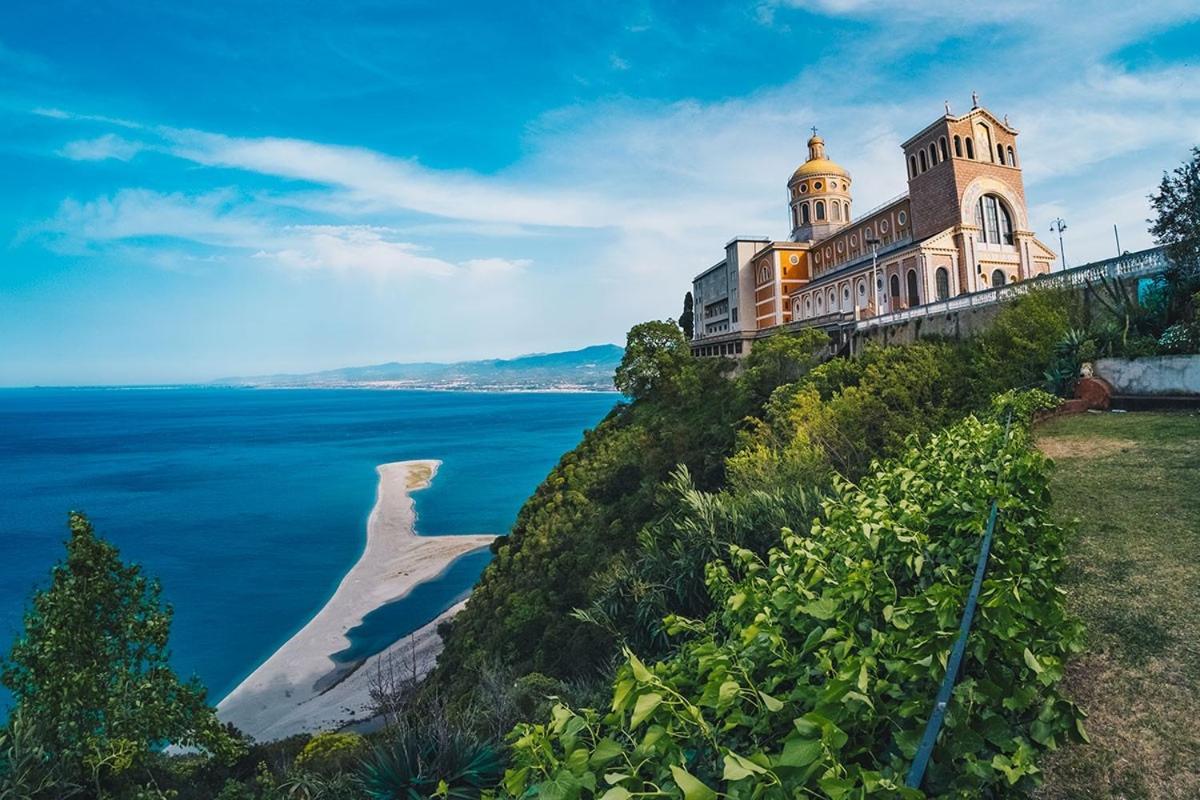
1077,447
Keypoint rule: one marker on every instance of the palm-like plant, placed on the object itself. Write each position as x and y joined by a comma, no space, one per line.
419,764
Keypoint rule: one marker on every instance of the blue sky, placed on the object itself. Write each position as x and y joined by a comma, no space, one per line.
207,189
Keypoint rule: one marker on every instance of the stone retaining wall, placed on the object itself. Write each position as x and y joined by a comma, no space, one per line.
1173,376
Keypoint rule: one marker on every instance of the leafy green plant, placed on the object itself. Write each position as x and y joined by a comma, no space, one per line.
330,751
818,670
27,769
416,765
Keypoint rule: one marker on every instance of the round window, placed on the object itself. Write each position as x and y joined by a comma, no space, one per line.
854,240
902,218
833,184
829,252
862,289
841,246
804,187
846,293
868,233
817,186
794,259
883,226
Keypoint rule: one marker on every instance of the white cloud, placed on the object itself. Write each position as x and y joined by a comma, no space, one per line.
352,249
102,147
134,218
374,178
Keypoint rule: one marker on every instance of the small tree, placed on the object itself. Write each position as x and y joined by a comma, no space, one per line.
687,320
1177,227
779,359
656,357
92,667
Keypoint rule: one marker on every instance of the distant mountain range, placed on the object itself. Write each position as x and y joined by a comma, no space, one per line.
589,369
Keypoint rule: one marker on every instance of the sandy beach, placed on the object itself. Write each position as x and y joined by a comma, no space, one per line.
289,693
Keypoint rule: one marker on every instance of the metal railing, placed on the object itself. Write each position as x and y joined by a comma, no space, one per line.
1143,262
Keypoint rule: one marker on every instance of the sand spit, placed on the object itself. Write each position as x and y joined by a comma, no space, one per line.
281,697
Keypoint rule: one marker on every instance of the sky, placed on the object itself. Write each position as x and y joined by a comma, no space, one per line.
199,190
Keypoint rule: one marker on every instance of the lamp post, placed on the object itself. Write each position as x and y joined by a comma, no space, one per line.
1057,225
874,273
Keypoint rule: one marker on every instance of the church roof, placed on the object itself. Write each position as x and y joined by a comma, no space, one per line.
817,163
819,166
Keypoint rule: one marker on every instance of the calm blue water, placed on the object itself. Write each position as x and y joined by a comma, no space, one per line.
250,505
391,621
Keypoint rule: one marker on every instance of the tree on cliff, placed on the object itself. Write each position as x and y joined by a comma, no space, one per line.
655,360
687,320
91,667
1177,226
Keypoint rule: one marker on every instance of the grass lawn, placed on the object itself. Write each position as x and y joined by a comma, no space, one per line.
1132,482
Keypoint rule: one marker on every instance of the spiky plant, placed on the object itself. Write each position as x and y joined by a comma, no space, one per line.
416,765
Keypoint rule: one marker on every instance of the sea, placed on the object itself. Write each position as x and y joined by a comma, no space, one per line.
249,505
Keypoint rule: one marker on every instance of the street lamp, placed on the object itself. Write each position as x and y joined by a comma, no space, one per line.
874,272
1057,225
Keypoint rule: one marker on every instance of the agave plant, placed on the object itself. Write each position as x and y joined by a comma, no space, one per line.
418,764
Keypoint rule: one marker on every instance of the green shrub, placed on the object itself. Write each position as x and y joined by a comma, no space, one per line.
330,751
816,675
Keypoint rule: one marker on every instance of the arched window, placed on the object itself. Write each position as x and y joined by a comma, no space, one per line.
912,166
924,162
804,219
957,146
994,220
970,148
795,217
846,208
914,298
845,298
942,147
765,275
832,300
820,210
942,279
1000,153
998,278
837,211
820,302
1012,157
895,285
862,292
932,154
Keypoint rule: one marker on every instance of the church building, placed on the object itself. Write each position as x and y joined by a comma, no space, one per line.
961,227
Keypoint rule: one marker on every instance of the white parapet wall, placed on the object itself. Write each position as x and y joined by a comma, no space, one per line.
1174,376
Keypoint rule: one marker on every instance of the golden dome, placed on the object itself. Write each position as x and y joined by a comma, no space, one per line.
817,163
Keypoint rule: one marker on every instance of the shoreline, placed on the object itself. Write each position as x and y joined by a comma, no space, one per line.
284,695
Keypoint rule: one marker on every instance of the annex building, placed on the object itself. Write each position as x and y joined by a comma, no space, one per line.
961,227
